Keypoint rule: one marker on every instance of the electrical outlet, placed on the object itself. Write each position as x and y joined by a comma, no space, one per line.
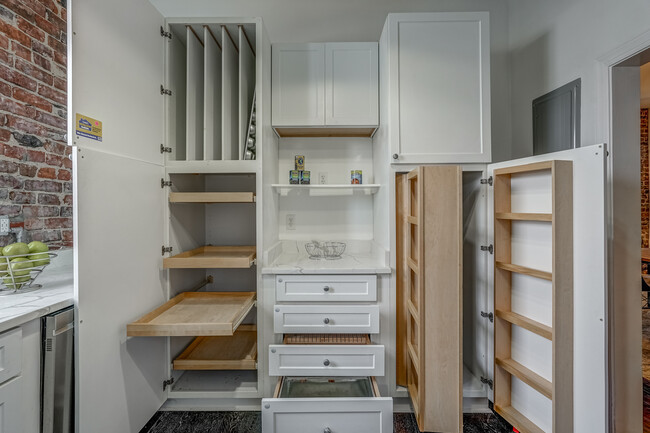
291,221
322,178
4,225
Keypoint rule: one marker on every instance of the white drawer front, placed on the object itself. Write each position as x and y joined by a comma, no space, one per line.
11,343
317,415
11,406
326,360
326,288
326,319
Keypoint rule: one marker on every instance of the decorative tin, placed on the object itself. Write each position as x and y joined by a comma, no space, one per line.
294,177
305,177
300,162
356,177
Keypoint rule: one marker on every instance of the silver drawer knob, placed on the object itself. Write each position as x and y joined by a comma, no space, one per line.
326,320
395,156
326,288
327,430
326,362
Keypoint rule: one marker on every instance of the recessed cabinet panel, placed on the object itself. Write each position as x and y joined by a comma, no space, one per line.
326,360
326,319
298,84
230,97
10,354
212,97
195,73
11,400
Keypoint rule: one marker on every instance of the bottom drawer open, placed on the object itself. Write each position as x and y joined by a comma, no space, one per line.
327,405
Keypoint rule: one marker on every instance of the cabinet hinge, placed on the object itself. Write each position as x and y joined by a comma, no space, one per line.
165,34
488,248
487,381
164,183
164,149
166,250
489,316
164,91
167,383
488,181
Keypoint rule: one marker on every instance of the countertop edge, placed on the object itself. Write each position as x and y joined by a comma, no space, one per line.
21,319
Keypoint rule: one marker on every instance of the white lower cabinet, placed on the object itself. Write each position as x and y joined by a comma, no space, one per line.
326,360
11,416
327,319
327,405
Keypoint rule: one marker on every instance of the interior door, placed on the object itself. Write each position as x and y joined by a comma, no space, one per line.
589,288
116,72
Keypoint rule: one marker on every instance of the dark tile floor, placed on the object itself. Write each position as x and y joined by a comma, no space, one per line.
250,422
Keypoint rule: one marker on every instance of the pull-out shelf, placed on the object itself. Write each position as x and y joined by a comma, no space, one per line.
238,352
195,313
321,404
211,197
210,257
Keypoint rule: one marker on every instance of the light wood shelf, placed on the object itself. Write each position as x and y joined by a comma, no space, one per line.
211,197
525,168
325,132
412,220
525,271
327,339
526,323
195,313
213,257
238,352
327,190
524,216
514,417
527,376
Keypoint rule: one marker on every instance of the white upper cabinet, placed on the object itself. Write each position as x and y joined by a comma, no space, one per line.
438,87
332,84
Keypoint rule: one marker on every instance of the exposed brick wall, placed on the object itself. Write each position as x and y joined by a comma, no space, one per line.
645,182
35,171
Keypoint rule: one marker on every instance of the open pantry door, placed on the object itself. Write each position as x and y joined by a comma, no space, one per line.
116,69
547,226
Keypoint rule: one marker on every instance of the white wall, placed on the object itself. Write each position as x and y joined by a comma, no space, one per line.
553,42
362,20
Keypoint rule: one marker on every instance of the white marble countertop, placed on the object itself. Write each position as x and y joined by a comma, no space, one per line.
56,293
360,257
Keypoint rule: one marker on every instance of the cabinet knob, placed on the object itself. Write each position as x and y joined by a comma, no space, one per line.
326,362
326,320
395,156
327,430
326,288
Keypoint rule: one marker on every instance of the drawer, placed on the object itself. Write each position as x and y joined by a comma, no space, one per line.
326,288
322,405
326,319
11,406
11,349
326,360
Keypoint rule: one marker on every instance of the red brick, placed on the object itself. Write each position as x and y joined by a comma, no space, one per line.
4,42
34,223
28,170
49,199
29,127
5,135
67,200
42,49
40,211
51,6
5,89
54,147
15,152
46,235
10,210
14,107
16,224
66,211
46,25
61,84
21,51
57,45
31,29
64,14
25,8
53,160
32,99
35,156
22,197
9,181
8,166
67,163
51,120
43,185
67,236
46,173
60,58
34,72
14,34
17,78
57,223
64,174
7,58
42,62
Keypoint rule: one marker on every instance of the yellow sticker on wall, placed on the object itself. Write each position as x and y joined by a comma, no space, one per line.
88,127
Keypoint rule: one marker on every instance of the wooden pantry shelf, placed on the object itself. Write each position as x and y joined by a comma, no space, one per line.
514,417
195,313
326,339
211,197
526,323
325,132
213,257
524,216
327,190
527,376
524,168
525,271
238,352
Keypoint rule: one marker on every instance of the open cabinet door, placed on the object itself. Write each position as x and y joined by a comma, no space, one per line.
116,72
547,225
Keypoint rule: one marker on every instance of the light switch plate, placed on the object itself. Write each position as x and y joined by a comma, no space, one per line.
4,225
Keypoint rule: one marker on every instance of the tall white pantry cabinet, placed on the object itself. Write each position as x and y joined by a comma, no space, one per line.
175,115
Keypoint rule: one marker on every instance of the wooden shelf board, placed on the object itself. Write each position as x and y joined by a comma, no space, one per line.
525,271
327,190
524,216
514,417
211,197
213,257
526,323
525,168
412,220
286,131
326,339
527,376
195,313
238,352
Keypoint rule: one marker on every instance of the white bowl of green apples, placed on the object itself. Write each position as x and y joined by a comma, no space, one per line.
21,263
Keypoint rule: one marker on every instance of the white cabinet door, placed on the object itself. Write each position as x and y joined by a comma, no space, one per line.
438,87
10,406
351,84
298,84
10,354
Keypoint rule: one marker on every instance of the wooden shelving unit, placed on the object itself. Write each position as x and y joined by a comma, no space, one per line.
209,257
195,313
211,197
238,352
560,333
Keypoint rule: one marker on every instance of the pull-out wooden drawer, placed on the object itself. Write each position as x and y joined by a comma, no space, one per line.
326,360
326,319
326,288
327,405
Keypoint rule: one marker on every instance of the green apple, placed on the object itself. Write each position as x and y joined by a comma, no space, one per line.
4,264
40,259
37,247
16,282
20,266
17,249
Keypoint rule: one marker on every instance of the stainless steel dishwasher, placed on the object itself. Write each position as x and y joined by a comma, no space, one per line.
58,374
